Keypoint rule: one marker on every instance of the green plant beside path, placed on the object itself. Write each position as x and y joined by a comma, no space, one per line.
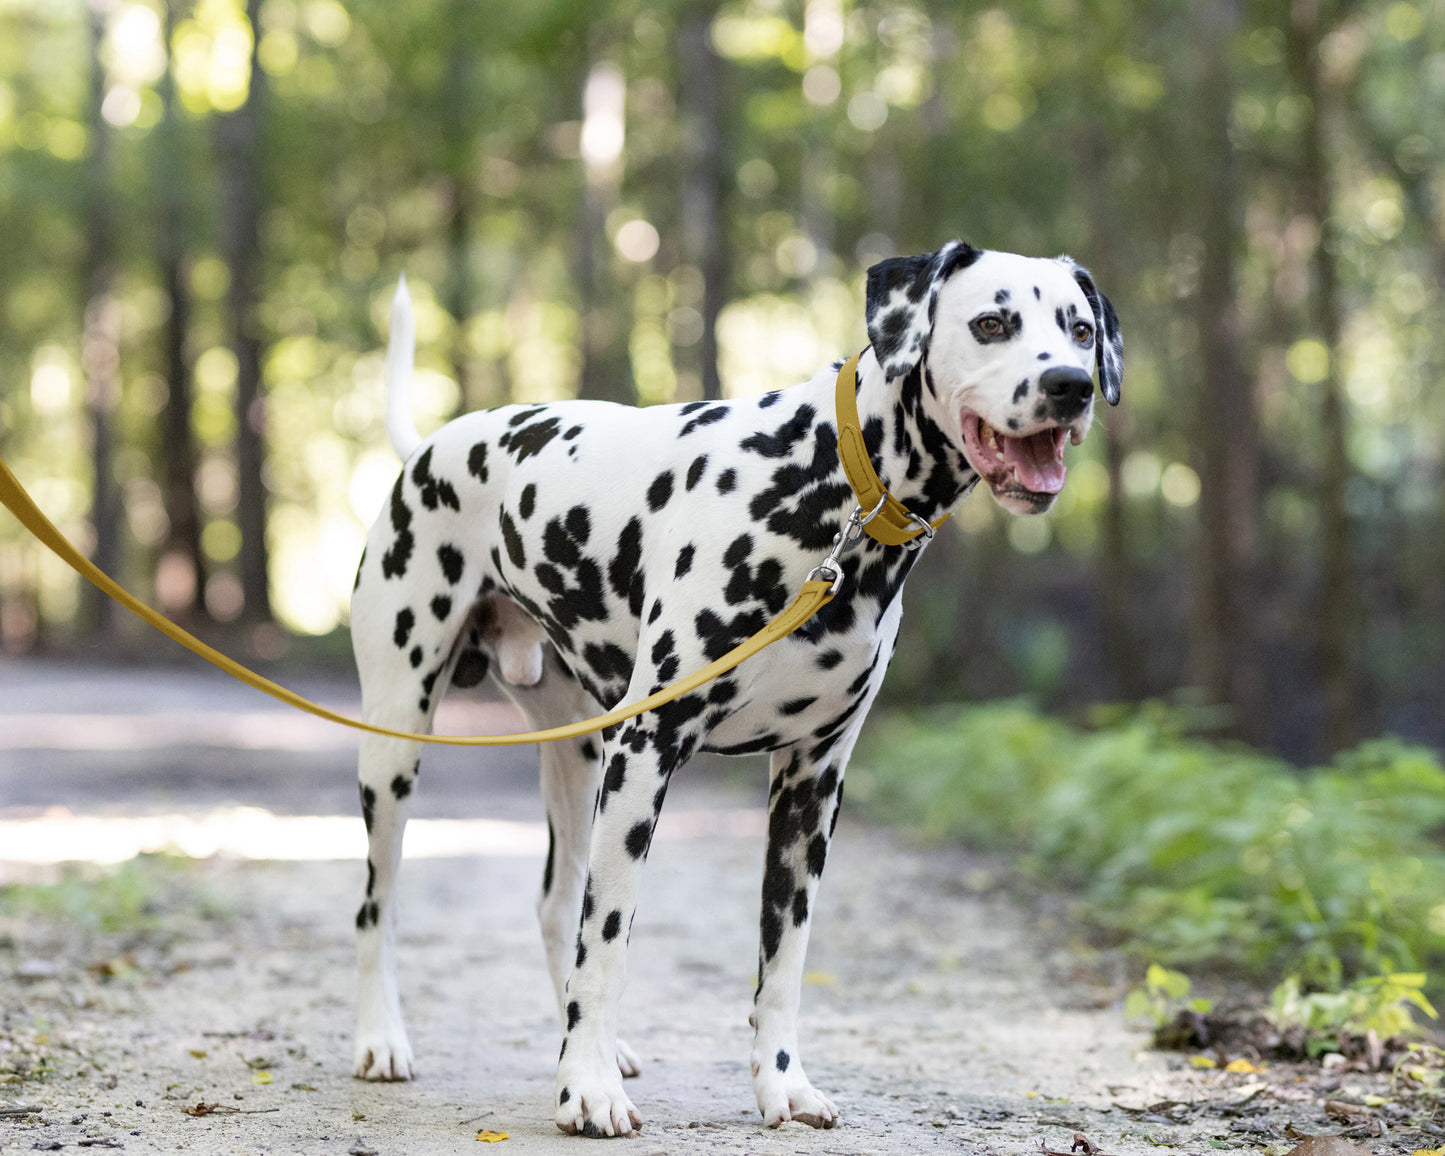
1188,852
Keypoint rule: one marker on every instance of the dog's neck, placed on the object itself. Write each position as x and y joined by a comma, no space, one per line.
916,460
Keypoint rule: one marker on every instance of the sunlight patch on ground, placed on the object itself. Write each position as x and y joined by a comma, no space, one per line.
254,833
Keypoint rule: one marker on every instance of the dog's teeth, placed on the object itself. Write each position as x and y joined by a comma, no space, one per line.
1074,437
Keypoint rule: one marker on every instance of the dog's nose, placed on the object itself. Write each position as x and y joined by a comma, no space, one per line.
1067,385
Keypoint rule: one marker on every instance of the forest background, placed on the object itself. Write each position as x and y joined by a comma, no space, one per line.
204,208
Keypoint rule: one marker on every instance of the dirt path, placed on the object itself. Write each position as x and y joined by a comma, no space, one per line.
935,1014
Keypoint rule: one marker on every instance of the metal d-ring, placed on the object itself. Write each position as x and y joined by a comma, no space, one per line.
925,533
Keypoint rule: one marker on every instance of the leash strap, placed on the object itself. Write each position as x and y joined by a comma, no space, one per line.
892,523
814,595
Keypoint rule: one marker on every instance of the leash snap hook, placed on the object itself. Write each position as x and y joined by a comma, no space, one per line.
830,569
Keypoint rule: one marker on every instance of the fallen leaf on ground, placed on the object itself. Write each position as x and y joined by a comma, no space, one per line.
491,1137
1203,1061
1240,1065
199,1053
201,1109
262,1077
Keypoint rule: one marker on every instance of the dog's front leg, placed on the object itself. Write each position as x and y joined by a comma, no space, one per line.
388,772
805,790
638,760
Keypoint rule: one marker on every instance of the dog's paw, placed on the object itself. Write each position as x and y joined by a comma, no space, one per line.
784,1096
627,1062
595,1106
384,1056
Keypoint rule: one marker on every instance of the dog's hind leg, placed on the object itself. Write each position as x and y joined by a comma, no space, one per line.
388,768
805,790
570,771
404,659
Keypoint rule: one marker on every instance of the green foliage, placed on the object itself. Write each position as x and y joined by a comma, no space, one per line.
133,897
1192,853
1164,994
1378,1003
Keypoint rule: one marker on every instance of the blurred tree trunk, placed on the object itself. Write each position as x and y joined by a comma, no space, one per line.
1226,424
100,339
457,109
704,179
605,368
238,136
1339,597
182,548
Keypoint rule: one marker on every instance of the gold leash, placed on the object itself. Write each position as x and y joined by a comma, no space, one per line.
898,524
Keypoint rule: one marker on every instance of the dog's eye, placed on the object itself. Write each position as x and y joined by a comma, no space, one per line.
1083,332
991,326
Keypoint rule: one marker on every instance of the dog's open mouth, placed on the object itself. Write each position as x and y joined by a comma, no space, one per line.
1032,464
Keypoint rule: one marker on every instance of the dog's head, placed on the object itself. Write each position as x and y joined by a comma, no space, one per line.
1008,347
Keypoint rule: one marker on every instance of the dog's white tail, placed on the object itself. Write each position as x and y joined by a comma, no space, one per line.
400,356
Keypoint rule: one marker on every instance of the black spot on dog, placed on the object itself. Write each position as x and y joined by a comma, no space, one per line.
452,562
800,907
579,524
415,657
684,560
370,875
393,562
513,541
434,491
367,916
817,854
707,417
551,855
611,925
1021,390
566,1093
727,481
1001,296
623,573
639,838
768,400
660,491
528,501
405,620
797,705
656,612
572,433
401,786
613,780
574,1013
609,662
531,440
588,749
695,471
829,659
784,439
368,807
782,1060
477,462
441,606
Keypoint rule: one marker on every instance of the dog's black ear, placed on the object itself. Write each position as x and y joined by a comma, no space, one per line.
902,295
1109,344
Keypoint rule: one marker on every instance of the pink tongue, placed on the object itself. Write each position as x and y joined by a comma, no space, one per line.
1034,463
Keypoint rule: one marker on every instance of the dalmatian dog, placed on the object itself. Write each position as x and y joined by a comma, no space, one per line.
587,554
